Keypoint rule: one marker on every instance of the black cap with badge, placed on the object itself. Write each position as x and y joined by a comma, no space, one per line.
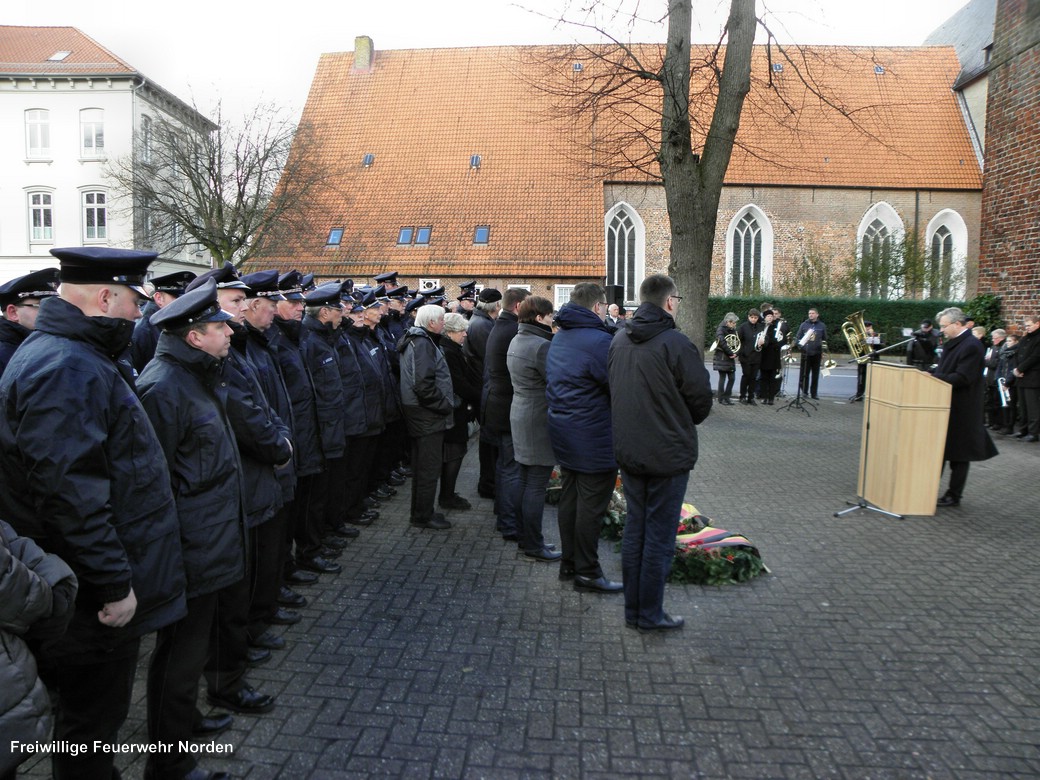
226,278
104,265
172,284
195,307
263,284
38,284
291,285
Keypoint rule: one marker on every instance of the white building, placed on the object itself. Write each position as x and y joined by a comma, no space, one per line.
67,107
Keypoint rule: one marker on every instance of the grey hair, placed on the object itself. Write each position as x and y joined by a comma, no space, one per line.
955,315
455,323
489,306
999,332
427,314
731,317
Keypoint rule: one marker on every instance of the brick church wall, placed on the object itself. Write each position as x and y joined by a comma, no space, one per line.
1009,263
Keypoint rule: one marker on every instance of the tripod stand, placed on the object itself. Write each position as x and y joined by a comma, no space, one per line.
798,402
862,503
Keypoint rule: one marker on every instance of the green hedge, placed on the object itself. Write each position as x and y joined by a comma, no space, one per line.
889,317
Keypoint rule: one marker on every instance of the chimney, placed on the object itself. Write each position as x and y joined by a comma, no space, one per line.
363,52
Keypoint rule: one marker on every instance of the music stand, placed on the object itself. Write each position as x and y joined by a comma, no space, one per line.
798,402
861,503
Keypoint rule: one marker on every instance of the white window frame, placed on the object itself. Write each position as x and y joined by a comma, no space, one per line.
429,284
146,138
92,121
562,295
888,216
37,134
100,230
519,287
42,234
765,227
954,222
631,296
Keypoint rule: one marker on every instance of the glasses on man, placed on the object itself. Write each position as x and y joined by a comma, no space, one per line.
676,297
27,305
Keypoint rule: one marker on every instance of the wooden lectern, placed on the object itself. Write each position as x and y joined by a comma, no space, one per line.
905,414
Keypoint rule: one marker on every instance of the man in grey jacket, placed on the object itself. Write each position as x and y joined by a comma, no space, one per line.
427,397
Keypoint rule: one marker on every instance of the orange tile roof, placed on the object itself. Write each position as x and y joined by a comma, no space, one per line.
25,51
424,112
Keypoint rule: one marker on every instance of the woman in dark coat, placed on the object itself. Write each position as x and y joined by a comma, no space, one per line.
467,384
771,364
529,421
961,367
725,358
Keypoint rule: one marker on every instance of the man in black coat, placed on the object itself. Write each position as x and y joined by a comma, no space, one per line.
167,289
183,390
20,301
482,320
496,401
809,338
1027,380
82,474
961,366
660,392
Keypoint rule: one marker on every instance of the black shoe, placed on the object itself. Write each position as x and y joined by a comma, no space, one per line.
210,727
486,493
345,531
545,555
244,700
816,398
386,488
510,538
256,656
404,471
751,402
329,553
290,598
1021,434
370,503
725,402
599,584
435,523
379,494
666,623
1031,437
566,572
360,520
631,624
284,617
334,542
948,501
455,502
319,564
268,641
300,577
395,481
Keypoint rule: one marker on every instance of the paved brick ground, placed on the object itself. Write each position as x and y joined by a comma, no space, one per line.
875,649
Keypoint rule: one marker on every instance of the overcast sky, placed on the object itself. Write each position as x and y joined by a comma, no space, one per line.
245,53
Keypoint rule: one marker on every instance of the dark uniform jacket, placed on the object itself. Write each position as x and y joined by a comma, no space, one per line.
498,387
660,392
185,394
391,329
262,438
373,380
12,334
427,394
357,405
285,339
261,356
961,366
145,338
83,475
318,347
1028,360
578,392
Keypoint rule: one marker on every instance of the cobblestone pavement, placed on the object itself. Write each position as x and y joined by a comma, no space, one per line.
875,649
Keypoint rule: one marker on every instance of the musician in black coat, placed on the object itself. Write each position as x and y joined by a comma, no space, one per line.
750,355
771,365
961,367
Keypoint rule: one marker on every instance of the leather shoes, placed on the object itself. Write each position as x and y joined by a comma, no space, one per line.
1031,437
268,641
360,520
666,623
329,553
597,584
370,514
334,542
395,481
210,727
344,531
284,617
948,501
544,555
386,488
370,503
379,494
1020,435
435,523
290,598
298,577
246,700
256,656
455,502
320,564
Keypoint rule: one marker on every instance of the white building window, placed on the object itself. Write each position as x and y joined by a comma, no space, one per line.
429,284
37,133
146,139
561,295
879,242
41,216
749,252
95,216
626,248
92,132
946,241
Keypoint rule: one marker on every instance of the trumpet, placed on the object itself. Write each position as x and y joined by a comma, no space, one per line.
786,354
1005,394
828,362
760,340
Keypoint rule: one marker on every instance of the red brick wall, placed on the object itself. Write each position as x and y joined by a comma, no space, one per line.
1009,261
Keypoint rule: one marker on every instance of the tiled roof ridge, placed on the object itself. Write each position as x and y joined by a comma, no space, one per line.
115,60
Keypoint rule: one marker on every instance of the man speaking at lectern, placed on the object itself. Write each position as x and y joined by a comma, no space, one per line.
961,367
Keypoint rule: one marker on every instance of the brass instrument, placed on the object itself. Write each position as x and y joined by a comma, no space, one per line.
732,341
855,334
828,362
786,353
1005,394
760,340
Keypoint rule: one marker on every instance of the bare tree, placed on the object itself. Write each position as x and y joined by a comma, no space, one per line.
228,189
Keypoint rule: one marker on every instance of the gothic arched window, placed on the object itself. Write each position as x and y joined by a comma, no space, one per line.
875,261
624,250
746,263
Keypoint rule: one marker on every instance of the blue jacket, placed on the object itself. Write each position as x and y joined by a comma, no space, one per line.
578,392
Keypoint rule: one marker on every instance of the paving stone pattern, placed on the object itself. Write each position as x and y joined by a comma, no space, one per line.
876,648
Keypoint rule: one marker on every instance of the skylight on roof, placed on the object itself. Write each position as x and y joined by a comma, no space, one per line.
474,161
58,56
578,67
778,67
368,159
879,70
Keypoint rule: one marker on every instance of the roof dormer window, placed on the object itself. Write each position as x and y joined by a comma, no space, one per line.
58,56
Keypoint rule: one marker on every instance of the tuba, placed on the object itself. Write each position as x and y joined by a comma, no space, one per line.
855,334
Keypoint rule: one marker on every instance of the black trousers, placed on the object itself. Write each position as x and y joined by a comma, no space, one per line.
583,502
92,702
296,527
726,383
173,686
958,478
308,538
748,378
488,453
265,570
427,452
229,639
810,375
358,473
